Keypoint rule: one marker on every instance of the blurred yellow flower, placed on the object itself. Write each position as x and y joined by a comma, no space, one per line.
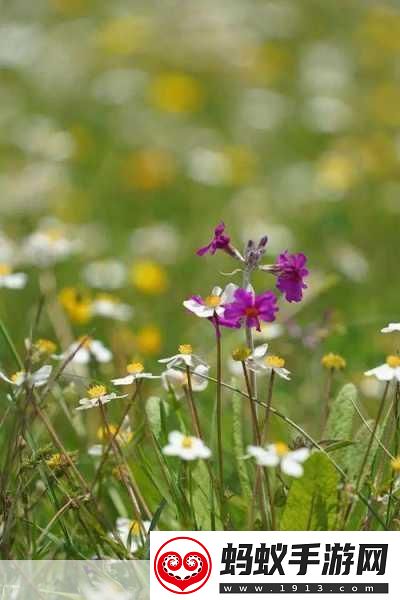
123,36
77,305
333,361
149,340
384,104
176,93
242,164
149,169
337,172
381,29
149,277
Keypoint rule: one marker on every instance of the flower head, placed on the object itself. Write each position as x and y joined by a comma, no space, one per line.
135,371
185,358
395,463
108,306
213,305
220,241
77,305
279,454
333,362
388,371
249,309
186,447
132,533
97,395
291,271
84,352
261,362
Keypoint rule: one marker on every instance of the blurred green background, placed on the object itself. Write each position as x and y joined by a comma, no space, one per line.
145,124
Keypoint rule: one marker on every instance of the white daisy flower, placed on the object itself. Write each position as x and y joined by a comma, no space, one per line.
184,358
260,362
96,395
107,306
391,328
108,274
387,372
91,349
213,304
177,380
131,533
8,279
135,371
51,243
37,379
279,454
186,447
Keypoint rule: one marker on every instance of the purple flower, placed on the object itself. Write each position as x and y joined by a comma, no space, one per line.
249,309
220,241
291,271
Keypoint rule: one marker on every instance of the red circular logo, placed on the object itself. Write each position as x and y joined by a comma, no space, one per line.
182,565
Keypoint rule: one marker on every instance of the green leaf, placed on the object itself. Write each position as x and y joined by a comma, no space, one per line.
340,421
153,412
312,500
238,445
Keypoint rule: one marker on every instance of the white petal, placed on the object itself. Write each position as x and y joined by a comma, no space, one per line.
264,457
391,328
216,291
4,377
300,455
228,293
284,373
128,380
82,357
168,360
260,351
100,352
175,437
198,309
291,467
41,376
383,373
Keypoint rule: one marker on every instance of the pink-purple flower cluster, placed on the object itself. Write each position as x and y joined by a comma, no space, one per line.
249,310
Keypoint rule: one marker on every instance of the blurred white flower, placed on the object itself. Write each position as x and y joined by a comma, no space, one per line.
279,454
7,249
39,136
327,114
90,350
49,244
264,109
8,279
159,241
19,44
135,371
37,379
186,447
210,167
391,328
177,380
108,274
350,261
105,305
96,450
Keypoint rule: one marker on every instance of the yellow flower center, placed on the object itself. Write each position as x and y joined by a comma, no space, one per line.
187,442
4,269
135,528
103,434
212,301
275,362
46,346
281,448
85,342
241,354
107,298
54,235
333,361
396,463
393,361
96,391
78,306
55,460
14,378
185,349
135,368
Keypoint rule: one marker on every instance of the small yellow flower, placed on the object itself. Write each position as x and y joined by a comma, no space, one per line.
241,354
333,361
135,528
281,448
78,306
5,270
185,349
149,277
44,346
134,368
149,340
55,461
96,391
149,169
275,362
396,464
176,93
393,361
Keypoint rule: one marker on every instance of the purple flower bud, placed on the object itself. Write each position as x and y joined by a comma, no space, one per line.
220,241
